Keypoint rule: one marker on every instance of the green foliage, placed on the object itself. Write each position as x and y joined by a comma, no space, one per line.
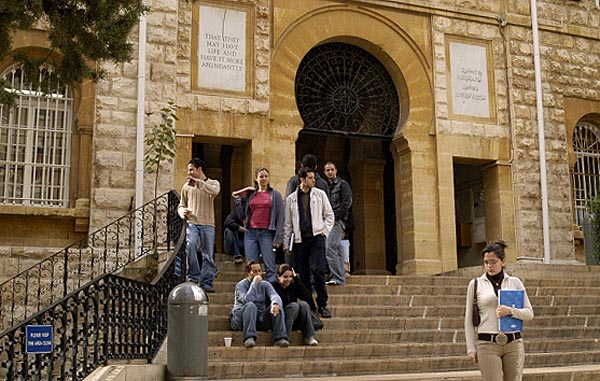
161,142
81,32
593,208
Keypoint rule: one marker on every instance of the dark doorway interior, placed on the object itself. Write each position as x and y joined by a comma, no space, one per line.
469,205
389,202
332,147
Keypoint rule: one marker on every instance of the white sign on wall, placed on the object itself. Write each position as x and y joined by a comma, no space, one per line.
222,49
469,80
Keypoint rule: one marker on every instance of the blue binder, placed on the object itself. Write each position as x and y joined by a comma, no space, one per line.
513,299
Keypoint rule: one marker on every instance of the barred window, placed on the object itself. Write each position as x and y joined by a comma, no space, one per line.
35,141
586,174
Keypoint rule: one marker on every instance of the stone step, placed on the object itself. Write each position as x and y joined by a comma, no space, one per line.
381,365
442,281
223,297
330,335
431,290
221,322
323,351
222,311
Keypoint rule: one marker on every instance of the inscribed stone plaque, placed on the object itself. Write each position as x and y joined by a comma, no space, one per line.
469,82
222,49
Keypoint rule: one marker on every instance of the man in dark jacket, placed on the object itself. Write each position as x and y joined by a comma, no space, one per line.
308,161
340,196
234,232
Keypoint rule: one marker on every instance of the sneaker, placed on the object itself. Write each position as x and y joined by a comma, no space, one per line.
325,314
249,342
332,283
208,289
281,343
311,341
238,260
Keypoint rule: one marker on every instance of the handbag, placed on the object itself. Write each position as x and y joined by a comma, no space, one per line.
475,309
316,320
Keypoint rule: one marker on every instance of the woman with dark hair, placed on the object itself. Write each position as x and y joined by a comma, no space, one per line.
501,355
296,312
264,221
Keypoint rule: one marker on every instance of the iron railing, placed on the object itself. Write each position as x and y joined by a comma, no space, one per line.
146,230
109,318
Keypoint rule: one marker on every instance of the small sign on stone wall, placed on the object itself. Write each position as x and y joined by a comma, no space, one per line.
470,80
221,49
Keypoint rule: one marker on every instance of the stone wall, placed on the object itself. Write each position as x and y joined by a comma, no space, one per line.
570,51
569,57
114,153
168,78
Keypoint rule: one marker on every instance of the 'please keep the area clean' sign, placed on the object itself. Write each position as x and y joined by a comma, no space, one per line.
39,339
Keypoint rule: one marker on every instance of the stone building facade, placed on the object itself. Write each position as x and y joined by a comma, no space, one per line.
461,165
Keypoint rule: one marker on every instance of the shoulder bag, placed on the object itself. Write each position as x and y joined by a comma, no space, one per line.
475,317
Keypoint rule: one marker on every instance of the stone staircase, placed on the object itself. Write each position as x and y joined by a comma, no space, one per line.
403,325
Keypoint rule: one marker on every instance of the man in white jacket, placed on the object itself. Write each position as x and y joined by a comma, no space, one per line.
308,221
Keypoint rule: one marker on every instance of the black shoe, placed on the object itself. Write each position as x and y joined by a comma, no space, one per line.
209,290
325,314
238,260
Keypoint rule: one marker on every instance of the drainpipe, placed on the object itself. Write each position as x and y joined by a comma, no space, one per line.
139,151
541,136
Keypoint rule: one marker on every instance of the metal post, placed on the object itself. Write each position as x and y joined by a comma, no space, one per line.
187,333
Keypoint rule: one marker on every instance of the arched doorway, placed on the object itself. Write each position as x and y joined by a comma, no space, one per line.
350,109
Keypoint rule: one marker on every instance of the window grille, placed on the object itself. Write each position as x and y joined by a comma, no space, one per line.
35,140
586,174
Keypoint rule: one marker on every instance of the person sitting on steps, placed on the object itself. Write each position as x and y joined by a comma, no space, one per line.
233,232
257,306
297,312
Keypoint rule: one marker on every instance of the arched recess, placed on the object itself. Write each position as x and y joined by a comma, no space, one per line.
413,146
57,226
578,110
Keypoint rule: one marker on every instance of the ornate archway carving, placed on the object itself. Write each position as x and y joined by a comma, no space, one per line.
342,88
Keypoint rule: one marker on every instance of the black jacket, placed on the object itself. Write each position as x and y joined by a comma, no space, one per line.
296,290
340,196
235,219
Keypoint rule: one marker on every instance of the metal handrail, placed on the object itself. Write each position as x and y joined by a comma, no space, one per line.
149,229
111,317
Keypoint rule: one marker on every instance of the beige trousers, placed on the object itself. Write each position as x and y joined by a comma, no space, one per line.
501,362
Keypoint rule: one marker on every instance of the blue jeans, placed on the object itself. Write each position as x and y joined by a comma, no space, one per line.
261,241
233,242
335,255
250,320
204,236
